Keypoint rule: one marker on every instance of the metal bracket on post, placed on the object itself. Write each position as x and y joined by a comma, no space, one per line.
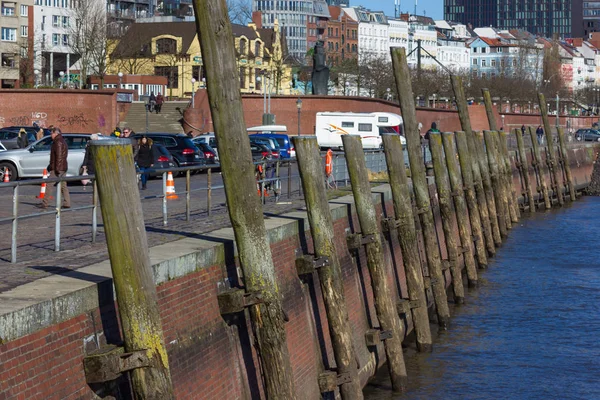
109,362
356,240
405,305
307,264
375,336
236,300
389,224
429,282
330,380
445,265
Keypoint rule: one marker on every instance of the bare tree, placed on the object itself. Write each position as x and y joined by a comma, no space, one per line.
240,11
131,55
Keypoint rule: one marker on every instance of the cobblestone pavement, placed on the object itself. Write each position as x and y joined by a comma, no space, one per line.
37,258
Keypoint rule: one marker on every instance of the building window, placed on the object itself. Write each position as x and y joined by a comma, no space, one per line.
171,73
65,22
243,78
9,60
474,61
24,30
166,46
24,10
65,40
56,21
55,39
257,48
8,8
493,63
242,46
483,63
9,35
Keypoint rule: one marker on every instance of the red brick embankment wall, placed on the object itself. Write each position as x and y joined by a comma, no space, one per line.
43,341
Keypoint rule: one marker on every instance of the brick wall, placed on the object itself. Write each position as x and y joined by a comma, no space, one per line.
211,356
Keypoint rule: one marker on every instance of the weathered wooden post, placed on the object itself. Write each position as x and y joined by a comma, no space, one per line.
245,211
448,216
407,236
130,264
499,193
489,110
502,179
468,156
419,181
551,161
477,227
513,199
542,188
565,162
490,194
330,271
460,205
524,168
370,236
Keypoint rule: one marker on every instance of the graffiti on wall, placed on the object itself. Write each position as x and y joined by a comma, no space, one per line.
76,120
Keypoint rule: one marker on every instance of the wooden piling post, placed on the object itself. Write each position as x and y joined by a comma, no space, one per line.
130,264
496,179
448,216
542,188
330,275
420,186
385,305
407,236
245,210
489,111
564,158
524,167
551,161
493,207
477,227
460,205
502,179
504,156
470,168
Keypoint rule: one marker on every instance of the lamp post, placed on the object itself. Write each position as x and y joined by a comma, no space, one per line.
120,75
387,94
299,105
557,109
507,106
193,90
434,100
346,88
36,74
62,78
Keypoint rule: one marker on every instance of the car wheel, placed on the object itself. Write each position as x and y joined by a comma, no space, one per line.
12,172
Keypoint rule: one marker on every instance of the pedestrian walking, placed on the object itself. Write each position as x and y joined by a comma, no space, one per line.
433,129
152,102
22,140
540,134
128,134
159,102
87,168
522,129
58,168
145,158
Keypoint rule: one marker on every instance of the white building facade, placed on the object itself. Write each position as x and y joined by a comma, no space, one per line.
14,40
373,33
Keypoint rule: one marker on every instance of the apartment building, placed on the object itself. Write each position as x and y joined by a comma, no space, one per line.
15,27
373,33
122,13
341,37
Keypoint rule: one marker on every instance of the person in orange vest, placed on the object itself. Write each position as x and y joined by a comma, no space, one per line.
329,179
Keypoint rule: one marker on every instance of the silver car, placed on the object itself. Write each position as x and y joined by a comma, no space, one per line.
31,161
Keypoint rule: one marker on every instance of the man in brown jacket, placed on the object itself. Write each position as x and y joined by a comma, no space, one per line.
58,168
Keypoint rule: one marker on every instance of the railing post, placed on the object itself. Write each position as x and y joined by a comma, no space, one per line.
58,213
289,179
497,182
94,211
188,188
209,191
15,223
164,199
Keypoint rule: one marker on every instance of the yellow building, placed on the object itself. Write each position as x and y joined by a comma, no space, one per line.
172,49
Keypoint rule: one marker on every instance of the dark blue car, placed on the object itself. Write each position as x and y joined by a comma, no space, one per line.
286,148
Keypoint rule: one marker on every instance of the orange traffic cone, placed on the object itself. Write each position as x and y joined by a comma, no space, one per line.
43,187
171,187
6,175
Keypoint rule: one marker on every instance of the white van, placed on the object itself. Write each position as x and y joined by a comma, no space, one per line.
330,126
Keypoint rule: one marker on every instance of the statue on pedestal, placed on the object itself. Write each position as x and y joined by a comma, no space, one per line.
320,72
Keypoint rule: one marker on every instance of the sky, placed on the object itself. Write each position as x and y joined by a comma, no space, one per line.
431,8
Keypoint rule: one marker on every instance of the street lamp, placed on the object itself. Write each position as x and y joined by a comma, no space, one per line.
507,105
36,74
299,105
193,90
346,88
557,109
120,75
387,94
62,78
434,100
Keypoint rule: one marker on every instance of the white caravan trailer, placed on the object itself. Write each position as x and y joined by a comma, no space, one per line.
330,126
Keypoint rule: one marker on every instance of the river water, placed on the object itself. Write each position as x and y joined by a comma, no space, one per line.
532,328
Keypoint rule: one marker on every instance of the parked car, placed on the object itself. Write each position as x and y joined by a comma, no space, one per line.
31,161
260,152
8,137
209,153
286,148
587,135
269,142
185,153
2,148
162,157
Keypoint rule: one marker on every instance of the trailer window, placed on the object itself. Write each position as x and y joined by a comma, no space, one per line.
347,124
382,119
365,127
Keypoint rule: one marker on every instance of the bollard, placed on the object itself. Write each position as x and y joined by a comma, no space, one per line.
504,158
130,264
523,166
330,274
245,210
460,205
448,216
551,154
565,163
420,186
482,234
370,235
490,196
542,188
407,236
470,169
496,179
